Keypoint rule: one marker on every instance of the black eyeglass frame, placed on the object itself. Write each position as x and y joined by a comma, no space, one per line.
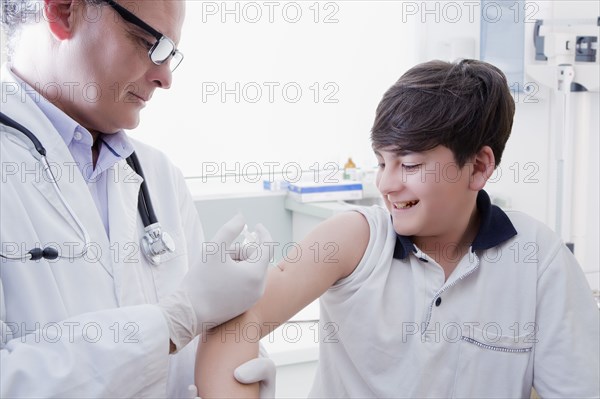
134,19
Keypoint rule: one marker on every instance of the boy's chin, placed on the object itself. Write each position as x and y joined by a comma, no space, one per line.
404,230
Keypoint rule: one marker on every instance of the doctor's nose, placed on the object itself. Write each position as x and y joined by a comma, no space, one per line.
161,75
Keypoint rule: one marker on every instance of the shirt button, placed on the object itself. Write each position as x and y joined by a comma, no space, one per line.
77,136
438,301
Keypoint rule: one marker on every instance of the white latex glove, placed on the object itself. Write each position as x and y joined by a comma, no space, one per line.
218,288
262,369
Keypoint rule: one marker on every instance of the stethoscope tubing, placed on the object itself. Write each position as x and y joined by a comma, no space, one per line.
39,148
154,243
145,207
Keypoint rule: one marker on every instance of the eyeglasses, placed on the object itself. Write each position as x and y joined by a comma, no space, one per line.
164,47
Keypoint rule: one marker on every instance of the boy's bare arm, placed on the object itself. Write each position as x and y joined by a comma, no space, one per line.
330,252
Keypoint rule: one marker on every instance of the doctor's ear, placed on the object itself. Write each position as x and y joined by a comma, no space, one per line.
482,169
60,15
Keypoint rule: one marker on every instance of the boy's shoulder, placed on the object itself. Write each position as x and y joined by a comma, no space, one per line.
378,217
533,232
527,224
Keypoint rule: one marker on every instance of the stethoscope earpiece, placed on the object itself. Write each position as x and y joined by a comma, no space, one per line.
46,253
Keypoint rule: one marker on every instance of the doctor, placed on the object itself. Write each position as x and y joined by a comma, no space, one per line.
103,319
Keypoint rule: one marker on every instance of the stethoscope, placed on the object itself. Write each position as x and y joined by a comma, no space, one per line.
154,243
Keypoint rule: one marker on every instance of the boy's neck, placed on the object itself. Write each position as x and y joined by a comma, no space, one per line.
448,249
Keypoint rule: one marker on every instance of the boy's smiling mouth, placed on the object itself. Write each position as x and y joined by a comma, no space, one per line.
405,204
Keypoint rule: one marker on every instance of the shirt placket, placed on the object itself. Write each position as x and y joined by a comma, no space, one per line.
468,265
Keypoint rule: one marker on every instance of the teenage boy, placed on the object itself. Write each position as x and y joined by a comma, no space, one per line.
442,294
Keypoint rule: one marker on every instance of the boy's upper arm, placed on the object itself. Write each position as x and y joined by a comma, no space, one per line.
329,253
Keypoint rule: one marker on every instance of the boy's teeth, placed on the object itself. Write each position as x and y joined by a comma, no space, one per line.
405,205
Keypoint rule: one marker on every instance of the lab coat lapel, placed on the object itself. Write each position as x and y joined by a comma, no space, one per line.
123,191
71,184
52,197
77,195
124,232
43,183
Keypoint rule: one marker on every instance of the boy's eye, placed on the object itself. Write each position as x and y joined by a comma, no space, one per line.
381,165
410,167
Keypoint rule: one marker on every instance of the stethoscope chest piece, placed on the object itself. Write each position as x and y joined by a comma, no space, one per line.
156,243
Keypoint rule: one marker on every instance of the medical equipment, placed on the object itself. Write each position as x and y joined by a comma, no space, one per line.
154,243
566,62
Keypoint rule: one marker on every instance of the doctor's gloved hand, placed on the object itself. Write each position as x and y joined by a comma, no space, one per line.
221,286
261,369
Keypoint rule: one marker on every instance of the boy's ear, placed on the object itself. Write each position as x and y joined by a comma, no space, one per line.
60,15
484,164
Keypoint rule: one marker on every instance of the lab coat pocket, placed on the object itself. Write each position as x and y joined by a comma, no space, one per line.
493,365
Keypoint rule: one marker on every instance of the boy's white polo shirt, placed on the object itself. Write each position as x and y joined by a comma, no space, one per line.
516,312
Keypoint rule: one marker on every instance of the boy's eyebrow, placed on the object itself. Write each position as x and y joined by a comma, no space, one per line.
396,152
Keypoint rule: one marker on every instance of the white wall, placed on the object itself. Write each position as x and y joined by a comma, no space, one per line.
354,59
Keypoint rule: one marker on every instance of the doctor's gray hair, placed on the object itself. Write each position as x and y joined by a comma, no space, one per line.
16,13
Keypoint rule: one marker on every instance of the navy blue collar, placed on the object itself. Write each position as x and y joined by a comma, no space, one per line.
494,228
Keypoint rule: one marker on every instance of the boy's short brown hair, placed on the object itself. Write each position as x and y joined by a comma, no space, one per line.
463,106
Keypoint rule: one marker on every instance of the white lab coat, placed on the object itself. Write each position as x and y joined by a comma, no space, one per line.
87,327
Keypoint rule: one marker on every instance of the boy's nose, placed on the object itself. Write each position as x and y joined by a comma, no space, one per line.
388,182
